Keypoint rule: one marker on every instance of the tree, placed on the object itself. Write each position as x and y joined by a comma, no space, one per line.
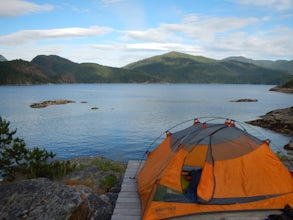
15,157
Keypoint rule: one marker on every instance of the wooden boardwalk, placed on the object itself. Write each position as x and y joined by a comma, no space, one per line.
128,206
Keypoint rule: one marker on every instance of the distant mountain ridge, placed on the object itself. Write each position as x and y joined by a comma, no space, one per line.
54,69
278,64
177,67
173,67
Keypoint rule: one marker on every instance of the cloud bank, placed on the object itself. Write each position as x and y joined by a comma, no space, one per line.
14,8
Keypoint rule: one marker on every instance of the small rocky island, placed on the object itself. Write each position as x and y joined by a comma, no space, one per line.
51,102
244,100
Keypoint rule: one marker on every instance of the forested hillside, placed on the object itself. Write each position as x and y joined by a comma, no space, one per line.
176,67
172,67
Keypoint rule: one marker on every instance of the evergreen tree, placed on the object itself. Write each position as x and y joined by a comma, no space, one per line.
15,157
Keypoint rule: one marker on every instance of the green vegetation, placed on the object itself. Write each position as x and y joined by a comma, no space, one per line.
61,70
106,165
108,182
16,158
172,67
277,65
110,168
21,72
286,87
183,68
288,84
98,173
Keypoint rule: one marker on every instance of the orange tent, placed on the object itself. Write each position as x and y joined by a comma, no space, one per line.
212,167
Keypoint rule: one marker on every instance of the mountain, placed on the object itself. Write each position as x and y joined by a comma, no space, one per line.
177,67
278,64
172,67
21,72
54,69
61,70
2,58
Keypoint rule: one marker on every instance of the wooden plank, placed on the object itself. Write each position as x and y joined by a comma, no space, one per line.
128,200
128,194
125,205
124,211
128,206
125,217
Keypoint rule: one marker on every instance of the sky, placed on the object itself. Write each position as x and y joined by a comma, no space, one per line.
118,32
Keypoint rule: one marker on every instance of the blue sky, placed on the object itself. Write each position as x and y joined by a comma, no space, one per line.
118,32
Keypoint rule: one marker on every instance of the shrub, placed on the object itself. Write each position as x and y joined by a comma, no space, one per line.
16,158
106,165
108,182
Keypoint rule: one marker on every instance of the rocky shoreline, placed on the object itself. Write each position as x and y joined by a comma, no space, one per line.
82,194
280,89
287,87
279,120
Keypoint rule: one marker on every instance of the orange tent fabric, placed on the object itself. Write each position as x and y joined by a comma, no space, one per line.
238,172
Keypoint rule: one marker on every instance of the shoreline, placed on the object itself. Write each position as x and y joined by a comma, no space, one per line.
278,120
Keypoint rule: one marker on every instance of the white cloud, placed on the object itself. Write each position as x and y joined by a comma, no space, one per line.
13,8
201,26
120,54
215,37
274,4
109,3
262,45
153,35
194,27
149,47
26,36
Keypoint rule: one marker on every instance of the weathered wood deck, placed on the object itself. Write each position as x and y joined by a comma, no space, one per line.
128,206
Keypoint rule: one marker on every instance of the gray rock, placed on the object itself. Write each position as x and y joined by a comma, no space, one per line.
280,120
289,146
44,199
244,100
50,102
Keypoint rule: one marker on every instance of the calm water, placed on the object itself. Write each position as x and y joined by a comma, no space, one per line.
130,116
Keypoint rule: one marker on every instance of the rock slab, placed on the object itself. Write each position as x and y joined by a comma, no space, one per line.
279,120
43,199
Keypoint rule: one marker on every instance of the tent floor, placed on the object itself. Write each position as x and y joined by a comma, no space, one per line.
128,205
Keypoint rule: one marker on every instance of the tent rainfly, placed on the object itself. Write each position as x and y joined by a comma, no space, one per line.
212,167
